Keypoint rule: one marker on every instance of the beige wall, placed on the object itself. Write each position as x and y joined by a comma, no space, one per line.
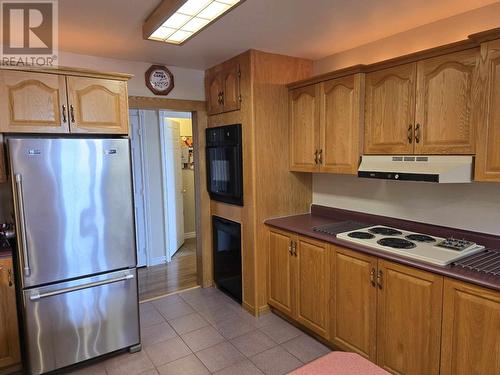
473,206
435,34
189,83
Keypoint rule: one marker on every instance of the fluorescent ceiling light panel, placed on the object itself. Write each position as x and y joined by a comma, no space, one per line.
190,19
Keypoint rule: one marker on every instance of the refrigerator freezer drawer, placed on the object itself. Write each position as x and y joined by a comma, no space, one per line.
81,319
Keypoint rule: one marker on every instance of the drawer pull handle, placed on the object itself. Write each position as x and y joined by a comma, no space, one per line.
372,277
36,296
380,279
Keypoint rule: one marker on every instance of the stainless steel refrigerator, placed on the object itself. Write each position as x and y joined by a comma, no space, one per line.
76,248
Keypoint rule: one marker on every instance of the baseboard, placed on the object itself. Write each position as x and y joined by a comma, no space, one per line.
263,310
157,261
189,235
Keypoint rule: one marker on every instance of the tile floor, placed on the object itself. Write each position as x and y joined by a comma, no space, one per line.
202,331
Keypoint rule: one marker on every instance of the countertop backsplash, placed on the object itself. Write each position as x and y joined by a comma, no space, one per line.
474,206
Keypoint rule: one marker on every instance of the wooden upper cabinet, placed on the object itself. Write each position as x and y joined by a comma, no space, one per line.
341,117
471,330
10,354
488,137
230,79
447,93
97,105
390,110
408,320
280,271
313,285
354,302
214,90
223,88
32,103
304,129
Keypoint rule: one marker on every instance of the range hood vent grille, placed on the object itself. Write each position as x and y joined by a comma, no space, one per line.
421,168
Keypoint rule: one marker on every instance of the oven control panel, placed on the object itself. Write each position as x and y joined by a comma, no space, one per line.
455,244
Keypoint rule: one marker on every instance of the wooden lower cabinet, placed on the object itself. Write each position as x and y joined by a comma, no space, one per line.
10,354
407,321
280,271
299,285
354,302
409,311
471,330
312,281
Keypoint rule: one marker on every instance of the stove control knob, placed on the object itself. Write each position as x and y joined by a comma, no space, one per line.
396,176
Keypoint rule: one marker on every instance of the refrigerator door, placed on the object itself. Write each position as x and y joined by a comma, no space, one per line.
74,321
74,210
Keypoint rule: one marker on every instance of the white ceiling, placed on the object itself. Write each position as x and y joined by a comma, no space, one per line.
311,29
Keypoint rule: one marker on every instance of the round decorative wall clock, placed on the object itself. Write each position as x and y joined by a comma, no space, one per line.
159,80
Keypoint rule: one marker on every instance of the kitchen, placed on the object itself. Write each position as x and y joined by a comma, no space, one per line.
346,194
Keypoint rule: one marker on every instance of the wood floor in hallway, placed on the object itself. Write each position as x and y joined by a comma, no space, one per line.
171,277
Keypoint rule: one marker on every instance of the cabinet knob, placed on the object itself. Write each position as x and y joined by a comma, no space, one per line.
320,156
316,157
372,277
410,133
290,248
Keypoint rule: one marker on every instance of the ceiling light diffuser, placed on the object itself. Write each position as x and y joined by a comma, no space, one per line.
177,21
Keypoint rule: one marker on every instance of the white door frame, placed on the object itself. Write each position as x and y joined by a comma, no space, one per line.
145,188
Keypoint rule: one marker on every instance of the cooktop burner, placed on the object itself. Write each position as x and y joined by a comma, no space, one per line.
361,235
420,238
396,243
385,231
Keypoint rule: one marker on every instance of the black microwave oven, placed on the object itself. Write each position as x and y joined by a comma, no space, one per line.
224,158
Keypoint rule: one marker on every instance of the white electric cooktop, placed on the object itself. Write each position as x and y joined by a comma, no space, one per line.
418,246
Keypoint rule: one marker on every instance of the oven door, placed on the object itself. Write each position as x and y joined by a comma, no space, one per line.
224,173
227,256
70,322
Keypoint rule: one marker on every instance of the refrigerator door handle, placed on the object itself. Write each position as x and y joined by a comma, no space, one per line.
22,224
35,296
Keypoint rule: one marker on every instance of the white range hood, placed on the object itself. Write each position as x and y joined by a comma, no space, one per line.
438,169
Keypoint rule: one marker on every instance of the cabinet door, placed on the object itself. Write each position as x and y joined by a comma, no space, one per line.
9,337
231,88
471,330
304,129
313,285
98,105
280,271
354,302
447,92
488,139
214,91
32,103
390,110
341,107
408,320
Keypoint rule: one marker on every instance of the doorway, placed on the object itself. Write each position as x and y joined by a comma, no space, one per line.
163,177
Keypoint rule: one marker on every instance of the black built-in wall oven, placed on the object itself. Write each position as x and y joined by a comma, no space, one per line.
225,164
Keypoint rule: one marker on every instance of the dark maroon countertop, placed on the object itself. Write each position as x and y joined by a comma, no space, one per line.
303,224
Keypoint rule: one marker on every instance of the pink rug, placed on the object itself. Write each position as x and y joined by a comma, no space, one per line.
340,363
